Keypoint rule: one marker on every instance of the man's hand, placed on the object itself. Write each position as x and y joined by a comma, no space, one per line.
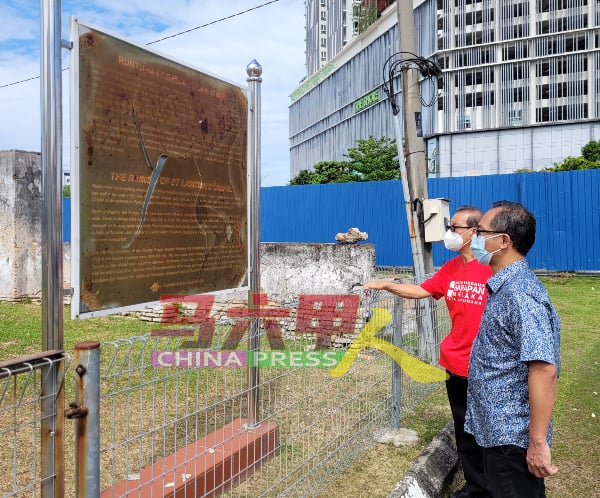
542,393
409,291
539,460
376,285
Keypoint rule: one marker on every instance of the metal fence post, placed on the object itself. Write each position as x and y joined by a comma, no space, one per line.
52,427
396,370
86,412
254,70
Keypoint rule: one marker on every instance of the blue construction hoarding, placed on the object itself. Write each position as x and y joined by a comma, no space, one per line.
566,206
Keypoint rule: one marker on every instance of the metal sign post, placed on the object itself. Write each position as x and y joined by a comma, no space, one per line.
254,79
52,404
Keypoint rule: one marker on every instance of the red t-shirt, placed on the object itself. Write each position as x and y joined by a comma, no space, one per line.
463,286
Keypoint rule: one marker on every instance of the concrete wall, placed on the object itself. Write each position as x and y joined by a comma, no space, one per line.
287,269
290,269
20,225
505,151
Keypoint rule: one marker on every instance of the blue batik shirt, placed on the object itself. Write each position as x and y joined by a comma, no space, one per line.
519,325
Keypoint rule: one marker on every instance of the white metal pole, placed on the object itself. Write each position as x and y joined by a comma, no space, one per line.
52,405
51,163
254,79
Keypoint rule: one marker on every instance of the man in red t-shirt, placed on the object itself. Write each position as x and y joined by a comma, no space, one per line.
461,281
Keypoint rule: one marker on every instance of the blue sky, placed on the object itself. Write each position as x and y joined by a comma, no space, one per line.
272,34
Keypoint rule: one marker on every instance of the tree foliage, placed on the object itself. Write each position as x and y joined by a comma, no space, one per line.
371,160
303,178
375,159
366,13
590,159
364,16
591,151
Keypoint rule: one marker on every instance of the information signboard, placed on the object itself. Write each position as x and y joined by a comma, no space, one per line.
159,174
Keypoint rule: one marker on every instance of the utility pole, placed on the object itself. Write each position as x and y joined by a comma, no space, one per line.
413,143
409,138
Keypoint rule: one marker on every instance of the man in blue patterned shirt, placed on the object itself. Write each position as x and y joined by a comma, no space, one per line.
515,360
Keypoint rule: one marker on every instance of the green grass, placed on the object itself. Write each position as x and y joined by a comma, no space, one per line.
576,449
382,466
20,329
577,432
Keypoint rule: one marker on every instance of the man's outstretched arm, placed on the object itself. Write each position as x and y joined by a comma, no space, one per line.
410,291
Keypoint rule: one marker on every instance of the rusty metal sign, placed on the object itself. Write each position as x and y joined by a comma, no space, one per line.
159,193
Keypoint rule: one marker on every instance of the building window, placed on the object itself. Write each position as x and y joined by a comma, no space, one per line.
544,5
561,66
463,122
561,113
519,72
562,89
515,117
514,51
518,94
576,42
323,29
323,16
323,42
323,55
323,3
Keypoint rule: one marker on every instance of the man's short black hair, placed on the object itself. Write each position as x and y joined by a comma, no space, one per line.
474,217
512,218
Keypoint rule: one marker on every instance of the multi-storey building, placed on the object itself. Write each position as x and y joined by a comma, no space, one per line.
520,85
326,32
331,24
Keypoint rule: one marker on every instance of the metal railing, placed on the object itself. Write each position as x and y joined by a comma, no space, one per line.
324,423
143,415
29,423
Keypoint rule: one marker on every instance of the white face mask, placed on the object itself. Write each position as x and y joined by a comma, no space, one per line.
453,241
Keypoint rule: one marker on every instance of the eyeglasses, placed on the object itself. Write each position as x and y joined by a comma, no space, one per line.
453,228
481,230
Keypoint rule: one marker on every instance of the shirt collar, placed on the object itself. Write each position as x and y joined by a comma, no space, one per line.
499,279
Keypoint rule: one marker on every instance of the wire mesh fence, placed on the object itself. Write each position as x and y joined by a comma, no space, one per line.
157,411
29,389
156,420
324,423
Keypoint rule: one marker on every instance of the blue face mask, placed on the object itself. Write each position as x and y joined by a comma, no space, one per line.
479,251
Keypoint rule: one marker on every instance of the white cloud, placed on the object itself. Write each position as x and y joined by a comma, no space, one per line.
17,23
273,35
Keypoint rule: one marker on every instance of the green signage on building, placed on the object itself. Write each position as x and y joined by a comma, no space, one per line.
366,101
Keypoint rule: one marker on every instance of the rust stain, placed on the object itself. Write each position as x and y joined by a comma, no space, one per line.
189,227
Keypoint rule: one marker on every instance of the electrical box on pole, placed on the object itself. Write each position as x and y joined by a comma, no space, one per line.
436,214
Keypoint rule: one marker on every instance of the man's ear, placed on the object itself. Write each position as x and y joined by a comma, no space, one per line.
506,240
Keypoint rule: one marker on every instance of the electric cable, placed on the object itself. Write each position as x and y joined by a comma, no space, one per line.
164,38
212,22
392,68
